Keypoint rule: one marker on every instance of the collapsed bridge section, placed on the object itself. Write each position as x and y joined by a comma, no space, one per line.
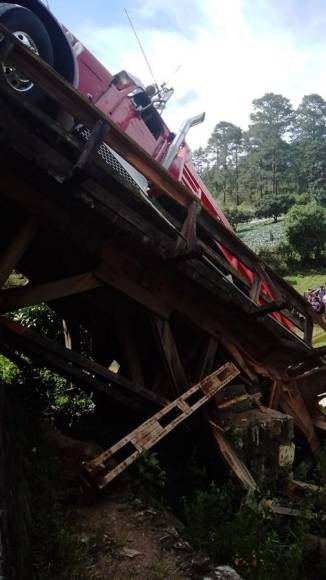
148,276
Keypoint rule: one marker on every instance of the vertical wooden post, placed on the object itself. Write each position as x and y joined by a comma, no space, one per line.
308,329
16,249
169,353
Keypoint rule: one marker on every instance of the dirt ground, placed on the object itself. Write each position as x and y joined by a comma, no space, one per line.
127,541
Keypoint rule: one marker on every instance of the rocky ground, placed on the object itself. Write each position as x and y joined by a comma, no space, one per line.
123,537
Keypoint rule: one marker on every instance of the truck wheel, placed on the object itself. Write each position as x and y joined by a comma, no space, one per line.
29,29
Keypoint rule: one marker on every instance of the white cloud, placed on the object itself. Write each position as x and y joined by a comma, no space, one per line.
225,64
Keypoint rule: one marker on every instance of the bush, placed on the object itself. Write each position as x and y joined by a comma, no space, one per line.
237,215
305,228
242,536
282,257
273,206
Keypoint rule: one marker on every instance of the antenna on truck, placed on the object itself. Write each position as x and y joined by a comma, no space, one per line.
159,94
143,51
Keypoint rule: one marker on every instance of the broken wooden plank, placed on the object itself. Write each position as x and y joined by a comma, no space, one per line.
232,459
15,298
158,426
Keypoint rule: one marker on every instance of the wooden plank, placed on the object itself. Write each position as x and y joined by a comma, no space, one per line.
16,249
14,298
256,288
158,426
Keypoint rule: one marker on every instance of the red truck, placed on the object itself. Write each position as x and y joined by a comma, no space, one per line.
122,97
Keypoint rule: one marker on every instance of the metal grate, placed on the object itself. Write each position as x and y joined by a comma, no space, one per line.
105,153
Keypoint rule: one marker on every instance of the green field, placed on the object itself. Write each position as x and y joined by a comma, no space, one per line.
261,233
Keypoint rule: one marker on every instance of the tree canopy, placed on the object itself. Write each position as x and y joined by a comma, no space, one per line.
282,152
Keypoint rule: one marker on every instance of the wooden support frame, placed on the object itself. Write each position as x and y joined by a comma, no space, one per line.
16,249
158,426
29,295
292,403
75,366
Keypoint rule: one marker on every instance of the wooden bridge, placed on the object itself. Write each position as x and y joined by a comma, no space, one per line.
144,274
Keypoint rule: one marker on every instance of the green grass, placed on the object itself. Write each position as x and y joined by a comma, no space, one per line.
301,282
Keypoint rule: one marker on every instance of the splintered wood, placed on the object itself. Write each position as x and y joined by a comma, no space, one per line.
126,451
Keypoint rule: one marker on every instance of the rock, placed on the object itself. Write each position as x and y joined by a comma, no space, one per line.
129,553
223,573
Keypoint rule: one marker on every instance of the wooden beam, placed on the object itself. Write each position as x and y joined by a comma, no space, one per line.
169,353
186,244
14,298
256,288
157,427
293,404
232,459
308,329
16,249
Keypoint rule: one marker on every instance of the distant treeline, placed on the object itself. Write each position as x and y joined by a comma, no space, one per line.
282,152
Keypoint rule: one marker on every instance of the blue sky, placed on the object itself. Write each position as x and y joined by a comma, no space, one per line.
229,51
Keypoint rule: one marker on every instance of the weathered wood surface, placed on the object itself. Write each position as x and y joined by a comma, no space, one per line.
158,426
166,262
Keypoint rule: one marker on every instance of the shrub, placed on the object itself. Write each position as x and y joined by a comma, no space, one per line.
237,215
273,206
305,228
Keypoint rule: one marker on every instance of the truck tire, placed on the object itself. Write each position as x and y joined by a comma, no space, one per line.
30,30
